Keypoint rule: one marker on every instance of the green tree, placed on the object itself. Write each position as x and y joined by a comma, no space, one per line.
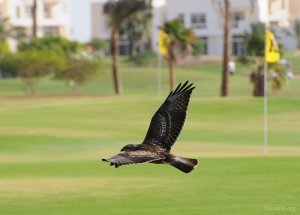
6,31
182,41
55,44
137,30
78,71
32,65
100,45
256,40
297,31
117,12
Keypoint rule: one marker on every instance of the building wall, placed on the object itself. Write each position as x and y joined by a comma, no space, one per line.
53,17
55,20
158,18
279,12
100,28
212,33
294,9
275,11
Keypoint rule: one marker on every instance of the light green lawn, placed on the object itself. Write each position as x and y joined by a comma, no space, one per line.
50,149
219,186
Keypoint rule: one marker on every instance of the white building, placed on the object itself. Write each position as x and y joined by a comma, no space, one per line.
82,23
53,16
83,20
100,27
205,18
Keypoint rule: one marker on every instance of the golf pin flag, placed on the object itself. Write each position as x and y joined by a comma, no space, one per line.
163,42
272,54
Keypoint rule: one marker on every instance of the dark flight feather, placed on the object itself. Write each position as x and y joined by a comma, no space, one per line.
167,122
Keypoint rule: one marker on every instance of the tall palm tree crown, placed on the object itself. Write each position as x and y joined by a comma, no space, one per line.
182,41
117,12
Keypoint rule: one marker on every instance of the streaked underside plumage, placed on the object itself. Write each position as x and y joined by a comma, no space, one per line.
165,127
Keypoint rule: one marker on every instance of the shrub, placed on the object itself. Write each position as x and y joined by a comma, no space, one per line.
31,65
146,58
79,71
51,43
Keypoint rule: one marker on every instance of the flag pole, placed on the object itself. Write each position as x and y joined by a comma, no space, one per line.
265,143
265,147
163,41
272,55
158,75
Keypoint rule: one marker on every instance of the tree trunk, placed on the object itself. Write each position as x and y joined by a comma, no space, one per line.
172,75
227,47
34,19
258,84
171,60
130,46
115,53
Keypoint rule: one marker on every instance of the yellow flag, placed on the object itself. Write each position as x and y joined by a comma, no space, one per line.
163,42
272,54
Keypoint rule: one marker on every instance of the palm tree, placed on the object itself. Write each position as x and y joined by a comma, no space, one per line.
227,47
34,19
182,41
137,30
117,12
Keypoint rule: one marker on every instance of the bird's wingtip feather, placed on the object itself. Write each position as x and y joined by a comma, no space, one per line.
186,87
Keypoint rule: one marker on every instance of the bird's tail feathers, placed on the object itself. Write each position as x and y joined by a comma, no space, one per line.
186,165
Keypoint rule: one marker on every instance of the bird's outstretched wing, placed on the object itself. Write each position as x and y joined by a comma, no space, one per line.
133,157
168,120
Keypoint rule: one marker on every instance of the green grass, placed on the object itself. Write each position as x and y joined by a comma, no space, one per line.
218,186
50,151
51,148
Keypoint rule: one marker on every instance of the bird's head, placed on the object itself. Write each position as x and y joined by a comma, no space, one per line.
129,147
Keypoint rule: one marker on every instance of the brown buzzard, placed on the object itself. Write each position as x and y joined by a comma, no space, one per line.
164,129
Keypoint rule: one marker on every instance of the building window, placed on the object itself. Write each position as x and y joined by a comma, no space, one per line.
198,20
204,45
124,47
28,10
47,10
181,18
51,30
236,18
20,32
238,46
274,23
18,11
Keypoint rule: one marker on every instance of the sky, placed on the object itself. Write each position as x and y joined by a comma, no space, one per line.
81,18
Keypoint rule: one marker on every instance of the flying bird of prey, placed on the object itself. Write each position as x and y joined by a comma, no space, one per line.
163,131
